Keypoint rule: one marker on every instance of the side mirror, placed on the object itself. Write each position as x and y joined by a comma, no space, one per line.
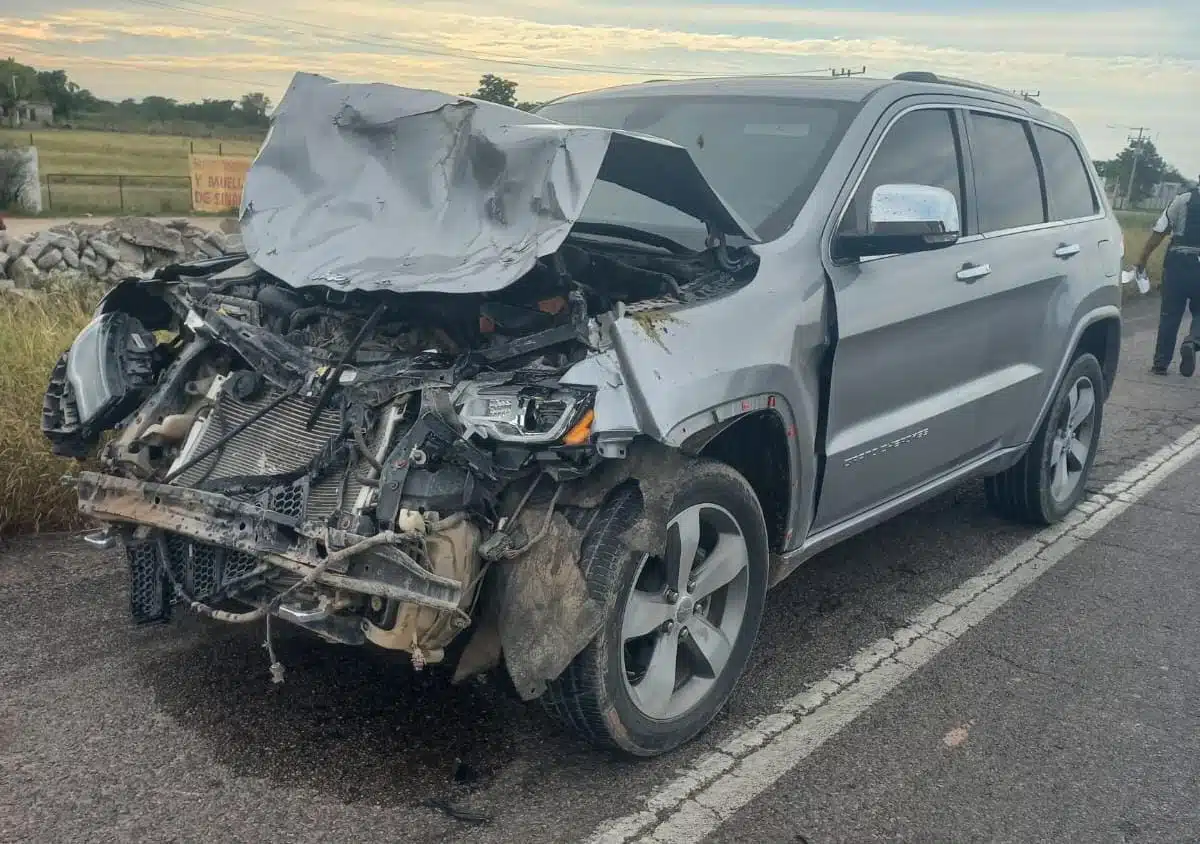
904,219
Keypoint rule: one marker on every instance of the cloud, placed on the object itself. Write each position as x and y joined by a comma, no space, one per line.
1106,67
96,26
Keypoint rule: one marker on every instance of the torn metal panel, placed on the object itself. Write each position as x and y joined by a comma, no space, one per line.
378,187
545,614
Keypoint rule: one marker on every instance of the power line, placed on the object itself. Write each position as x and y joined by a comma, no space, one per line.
381,41
139,69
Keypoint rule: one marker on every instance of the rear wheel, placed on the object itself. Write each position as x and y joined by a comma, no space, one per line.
1052,477
679,627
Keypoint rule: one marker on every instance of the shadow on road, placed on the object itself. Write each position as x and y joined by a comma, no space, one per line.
359,725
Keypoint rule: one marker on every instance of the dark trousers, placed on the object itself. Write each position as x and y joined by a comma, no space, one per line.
1180,291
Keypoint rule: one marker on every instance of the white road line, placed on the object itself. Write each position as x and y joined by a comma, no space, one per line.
723,781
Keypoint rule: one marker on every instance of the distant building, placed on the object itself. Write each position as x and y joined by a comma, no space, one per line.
1164,192
28,112
1160,197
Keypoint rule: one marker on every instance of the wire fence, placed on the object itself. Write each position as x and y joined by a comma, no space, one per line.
78,193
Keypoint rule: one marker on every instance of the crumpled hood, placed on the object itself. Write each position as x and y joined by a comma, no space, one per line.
378,187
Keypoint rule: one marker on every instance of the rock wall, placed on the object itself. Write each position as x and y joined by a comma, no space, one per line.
106,254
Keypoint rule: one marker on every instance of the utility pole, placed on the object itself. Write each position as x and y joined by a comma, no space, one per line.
1136,143
846,71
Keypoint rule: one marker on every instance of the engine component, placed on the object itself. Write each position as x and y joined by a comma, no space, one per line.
276,443
447,489
410,521
425,632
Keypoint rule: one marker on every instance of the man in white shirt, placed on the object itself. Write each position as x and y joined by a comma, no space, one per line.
1181,280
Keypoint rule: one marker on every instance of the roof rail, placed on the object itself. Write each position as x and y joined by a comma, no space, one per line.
926,76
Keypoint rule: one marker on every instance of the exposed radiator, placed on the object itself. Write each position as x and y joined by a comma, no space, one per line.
274,444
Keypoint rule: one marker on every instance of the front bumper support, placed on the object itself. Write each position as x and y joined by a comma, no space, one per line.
273,538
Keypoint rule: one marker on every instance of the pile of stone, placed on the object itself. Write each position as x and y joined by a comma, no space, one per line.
126,246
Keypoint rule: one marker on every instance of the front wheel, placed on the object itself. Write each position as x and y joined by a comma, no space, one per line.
1052,476
679,628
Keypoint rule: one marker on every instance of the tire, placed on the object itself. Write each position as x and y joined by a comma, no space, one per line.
1027,492
605,695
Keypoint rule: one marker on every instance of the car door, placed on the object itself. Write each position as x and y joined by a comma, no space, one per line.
905,383
1035,202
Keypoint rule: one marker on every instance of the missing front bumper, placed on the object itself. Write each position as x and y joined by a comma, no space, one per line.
243,532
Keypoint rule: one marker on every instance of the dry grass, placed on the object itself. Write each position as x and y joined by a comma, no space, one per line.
33,333
32,336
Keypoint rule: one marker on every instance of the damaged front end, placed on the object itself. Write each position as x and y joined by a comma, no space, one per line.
384,443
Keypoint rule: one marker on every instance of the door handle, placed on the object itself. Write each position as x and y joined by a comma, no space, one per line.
1066,250
971,272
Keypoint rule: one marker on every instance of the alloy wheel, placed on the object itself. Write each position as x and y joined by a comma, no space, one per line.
685,612
1072,443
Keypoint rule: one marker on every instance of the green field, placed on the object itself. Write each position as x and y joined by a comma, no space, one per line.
80,169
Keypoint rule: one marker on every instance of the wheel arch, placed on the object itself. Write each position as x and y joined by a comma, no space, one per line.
759,447
1098,332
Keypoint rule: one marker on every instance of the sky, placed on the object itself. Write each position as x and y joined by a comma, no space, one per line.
1108,69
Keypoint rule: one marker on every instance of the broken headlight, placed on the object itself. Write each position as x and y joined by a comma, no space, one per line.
105,374
517,414
108,365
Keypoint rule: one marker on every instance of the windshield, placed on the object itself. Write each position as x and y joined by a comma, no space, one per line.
762,155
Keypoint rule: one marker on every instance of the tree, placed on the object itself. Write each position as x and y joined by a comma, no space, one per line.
63,94
17,82
496,89
1150,170
212,112
254,106
158,108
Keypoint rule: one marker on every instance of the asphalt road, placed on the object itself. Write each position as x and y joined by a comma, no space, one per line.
1068,714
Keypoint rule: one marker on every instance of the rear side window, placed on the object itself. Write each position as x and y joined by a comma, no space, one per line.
1008,185
920,148
1068,187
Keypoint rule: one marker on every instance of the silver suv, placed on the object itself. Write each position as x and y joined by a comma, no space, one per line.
557,397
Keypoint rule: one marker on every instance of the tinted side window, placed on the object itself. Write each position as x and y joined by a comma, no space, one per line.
920,148
1068,187
1007,183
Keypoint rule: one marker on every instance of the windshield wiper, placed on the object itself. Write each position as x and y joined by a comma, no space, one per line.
616,230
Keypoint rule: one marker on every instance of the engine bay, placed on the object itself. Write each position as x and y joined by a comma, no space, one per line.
350,461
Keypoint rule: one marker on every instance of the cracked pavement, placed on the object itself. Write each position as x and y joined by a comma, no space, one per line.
1053,719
